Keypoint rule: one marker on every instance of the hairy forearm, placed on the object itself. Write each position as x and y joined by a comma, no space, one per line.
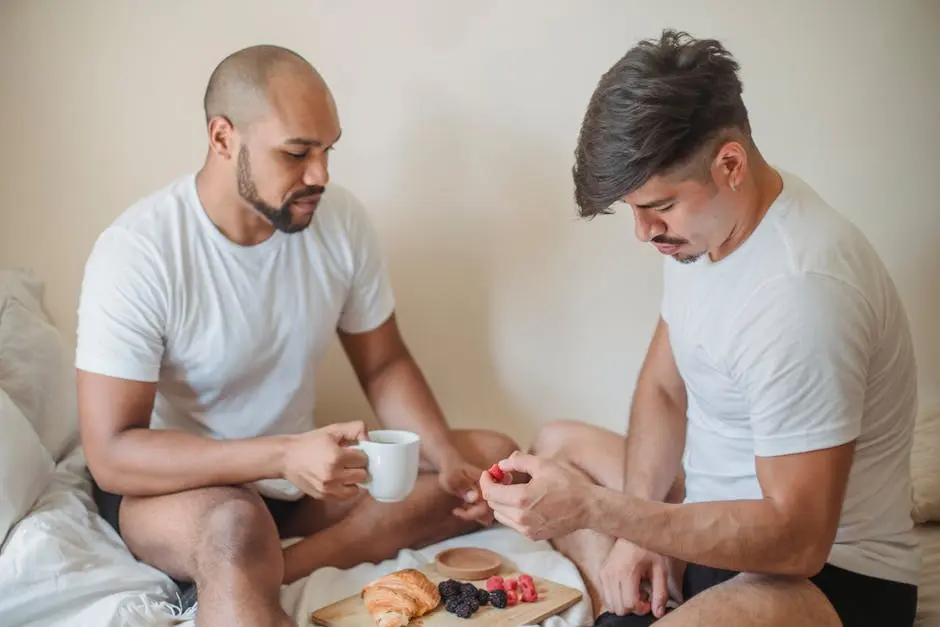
402,399
655,443
149,462
746,535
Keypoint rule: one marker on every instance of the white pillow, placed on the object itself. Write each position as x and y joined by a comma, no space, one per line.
36,369
925,467
25,466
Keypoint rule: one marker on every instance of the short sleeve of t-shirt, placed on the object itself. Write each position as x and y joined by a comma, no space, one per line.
801,360
664,303
122,309
370,300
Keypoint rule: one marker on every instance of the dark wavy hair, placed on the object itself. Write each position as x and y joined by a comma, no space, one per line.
654,112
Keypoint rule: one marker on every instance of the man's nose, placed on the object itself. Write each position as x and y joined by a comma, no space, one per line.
647,225
317,172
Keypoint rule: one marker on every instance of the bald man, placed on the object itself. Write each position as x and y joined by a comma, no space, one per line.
205,310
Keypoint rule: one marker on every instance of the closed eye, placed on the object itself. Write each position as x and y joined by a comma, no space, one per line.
665,209
299,156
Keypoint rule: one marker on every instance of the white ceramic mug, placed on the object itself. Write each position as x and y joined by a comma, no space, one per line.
393,463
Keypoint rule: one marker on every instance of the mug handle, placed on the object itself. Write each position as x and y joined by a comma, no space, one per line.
368,481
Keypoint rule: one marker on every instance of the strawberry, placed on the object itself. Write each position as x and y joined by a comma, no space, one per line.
496,473
494,583
529,595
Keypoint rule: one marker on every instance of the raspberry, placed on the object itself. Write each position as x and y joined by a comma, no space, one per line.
498,598
496,473
495,583
512,597
483,597
526,580
511,584
529,595
448,588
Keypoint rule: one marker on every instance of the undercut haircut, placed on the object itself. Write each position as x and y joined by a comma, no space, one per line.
238,87
655,112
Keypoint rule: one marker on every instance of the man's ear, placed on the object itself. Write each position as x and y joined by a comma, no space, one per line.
730,164
222,137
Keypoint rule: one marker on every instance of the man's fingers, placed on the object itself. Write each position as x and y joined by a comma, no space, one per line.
353,458
632,595
611,596
351,476
340,490
520,462
660,591
347,431
478,512
509,522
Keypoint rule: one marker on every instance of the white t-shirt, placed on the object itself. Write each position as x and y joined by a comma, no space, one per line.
231,334
795,342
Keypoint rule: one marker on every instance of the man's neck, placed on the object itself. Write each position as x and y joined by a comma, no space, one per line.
756,196
228,212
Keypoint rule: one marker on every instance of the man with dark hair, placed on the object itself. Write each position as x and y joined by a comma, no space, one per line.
206,309
765,479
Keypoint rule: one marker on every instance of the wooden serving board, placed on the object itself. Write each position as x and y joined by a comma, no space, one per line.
554,598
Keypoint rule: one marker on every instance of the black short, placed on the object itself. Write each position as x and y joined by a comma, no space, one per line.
859,600
109,505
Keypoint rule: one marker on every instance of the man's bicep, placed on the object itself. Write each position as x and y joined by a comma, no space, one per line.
809,489
370,352
659,369
108,406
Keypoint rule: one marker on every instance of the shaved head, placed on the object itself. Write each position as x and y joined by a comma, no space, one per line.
239,88
272,123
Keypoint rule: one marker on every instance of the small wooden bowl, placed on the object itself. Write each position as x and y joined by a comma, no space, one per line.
468,563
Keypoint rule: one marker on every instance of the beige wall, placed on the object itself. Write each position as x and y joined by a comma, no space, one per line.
459,123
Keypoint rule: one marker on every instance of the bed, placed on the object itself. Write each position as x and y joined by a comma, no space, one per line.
61,565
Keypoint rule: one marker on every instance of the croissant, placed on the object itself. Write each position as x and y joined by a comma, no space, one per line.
396,598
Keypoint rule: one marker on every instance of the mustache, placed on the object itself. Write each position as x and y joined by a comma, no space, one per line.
313,190
669,241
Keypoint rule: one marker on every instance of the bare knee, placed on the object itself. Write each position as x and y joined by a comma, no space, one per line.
554,439
236,532
484,447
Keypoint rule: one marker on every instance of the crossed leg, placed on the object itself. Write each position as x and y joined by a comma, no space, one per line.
226,541
744,600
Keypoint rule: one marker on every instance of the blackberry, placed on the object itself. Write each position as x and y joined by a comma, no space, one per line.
452,604
498,599
472,603
449,588
468,590
464,611
483,597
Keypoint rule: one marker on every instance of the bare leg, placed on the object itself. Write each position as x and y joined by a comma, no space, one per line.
222,538
346,534
748,600
599,454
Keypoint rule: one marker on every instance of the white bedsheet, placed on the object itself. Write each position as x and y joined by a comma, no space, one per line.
63,566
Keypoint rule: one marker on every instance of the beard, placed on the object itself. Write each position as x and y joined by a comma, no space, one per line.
279,217
677,241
